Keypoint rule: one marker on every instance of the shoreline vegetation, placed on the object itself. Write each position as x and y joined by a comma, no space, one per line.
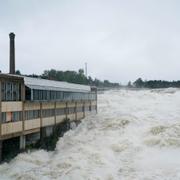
79,77
154,84
73,77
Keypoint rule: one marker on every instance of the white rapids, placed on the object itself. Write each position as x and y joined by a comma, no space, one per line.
134,136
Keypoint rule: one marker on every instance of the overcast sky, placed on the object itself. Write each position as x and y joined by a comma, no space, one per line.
120,40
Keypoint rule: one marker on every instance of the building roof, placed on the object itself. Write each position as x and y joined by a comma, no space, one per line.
11,76
44,84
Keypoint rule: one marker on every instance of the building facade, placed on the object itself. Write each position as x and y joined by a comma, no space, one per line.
28,105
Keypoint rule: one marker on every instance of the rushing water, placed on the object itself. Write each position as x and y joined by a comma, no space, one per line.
134,136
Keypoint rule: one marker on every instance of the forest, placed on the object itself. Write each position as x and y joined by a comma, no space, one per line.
139,83
77,77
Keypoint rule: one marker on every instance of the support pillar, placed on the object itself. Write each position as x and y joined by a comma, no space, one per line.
75,111
84,110
22,142
1,146
90,108
66,110
96,103
43,133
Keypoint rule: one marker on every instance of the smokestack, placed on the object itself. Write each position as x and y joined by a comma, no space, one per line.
12,54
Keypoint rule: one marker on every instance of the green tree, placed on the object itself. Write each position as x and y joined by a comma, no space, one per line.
18,72
129,85
139,83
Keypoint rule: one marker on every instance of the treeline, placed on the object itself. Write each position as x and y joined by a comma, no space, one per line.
73,77
139,83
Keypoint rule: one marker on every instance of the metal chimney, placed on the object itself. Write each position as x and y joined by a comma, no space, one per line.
12,54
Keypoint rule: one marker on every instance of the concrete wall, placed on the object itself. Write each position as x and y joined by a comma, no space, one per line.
71,104
48,105
87,113
11,106
79,104
49,121
34,124
60,118
60,104
31,106
93,103
80,115
31,124
12,127
71,117
30,131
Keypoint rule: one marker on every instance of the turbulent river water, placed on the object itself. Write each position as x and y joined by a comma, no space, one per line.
134,136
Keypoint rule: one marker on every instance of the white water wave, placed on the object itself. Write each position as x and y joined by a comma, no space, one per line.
135,135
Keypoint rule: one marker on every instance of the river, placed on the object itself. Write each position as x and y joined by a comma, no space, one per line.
134,136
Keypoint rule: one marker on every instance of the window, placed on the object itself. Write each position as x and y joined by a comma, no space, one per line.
32,114
93,108
28,94
17,116
46,95
60,111
80,109
3,117
87,108
11,91
11,116
48,112
71,110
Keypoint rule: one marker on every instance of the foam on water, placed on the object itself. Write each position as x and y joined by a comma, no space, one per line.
135,135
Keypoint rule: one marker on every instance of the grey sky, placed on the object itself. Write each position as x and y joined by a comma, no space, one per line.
120,40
